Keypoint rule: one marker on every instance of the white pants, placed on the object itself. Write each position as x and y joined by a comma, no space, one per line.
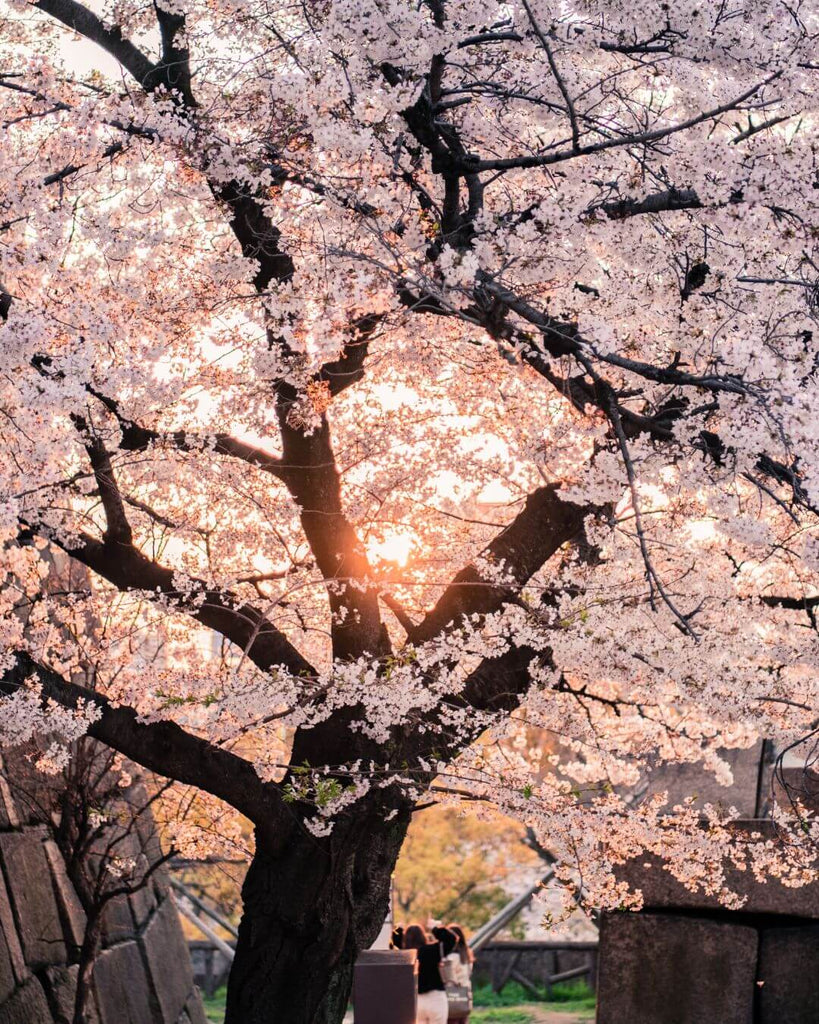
432,1007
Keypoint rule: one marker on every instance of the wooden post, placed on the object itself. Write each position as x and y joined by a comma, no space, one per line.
210,986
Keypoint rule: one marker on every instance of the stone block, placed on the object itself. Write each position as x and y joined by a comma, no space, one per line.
143,903
161,885
117,841
32,898
123,989
789,975
9,816
117,921
7,979
71,911
661,890
166,954
194,1008
28,1005
28,796
672,969
148,834
682,781
60,984
12,964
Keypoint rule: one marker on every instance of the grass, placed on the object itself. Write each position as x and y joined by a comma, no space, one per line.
570,996
501,1015
215,1007
511,1006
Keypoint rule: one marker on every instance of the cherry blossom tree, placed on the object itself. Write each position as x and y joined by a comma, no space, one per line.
412,381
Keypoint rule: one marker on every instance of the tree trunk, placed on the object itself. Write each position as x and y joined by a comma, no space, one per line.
85,973
310,906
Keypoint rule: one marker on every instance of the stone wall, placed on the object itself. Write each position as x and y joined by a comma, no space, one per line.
669,967
143,972
684,959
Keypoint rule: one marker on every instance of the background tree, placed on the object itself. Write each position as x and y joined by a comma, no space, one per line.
101,819
452,363
462,868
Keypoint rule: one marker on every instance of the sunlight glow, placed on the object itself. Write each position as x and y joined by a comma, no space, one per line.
393,547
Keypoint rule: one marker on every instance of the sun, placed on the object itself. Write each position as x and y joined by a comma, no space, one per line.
392,547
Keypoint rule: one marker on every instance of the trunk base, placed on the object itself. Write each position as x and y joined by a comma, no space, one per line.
310,906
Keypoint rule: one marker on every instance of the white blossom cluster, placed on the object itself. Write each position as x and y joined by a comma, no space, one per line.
459,263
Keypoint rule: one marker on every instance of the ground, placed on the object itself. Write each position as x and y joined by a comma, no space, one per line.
540,1016
530,1014
573,1011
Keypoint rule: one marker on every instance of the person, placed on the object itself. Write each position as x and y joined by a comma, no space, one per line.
431,950
459,963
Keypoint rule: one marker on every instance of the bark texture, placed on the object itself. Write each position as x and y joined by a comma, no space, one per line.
310,906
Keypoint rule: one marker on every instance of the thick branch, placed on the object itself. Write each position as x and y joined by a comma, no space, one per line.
490,37
247,627
117,526
79,19
348,369
308,469
175,65
658,202
136,438
561,338
498,684
257,235
255,232
162,747
797,604
546,522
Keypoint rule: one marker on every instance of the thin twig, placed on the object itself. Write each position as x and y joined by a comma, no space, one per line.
564,92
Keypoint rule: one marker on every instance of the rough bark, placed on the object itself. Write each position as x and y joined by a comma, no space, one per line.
310,906
308,469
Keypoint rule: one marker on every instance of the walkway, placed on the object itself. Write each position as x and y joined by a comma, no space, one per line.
540,1016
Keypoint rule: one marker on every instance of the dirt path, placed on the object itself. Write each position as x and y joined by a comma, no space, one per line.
541,1016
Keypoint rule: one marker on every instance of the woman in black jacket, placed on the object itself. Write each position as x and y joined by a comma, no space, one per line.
431,950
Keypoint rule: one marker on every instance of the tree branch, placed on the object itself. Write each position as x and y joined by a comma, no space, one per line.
175,64
118,529
162,747
396,608
79,19
658,202
348,369
309,471
498,684
256,234
545,523
136,438
640,139
243,624
5,302
564,92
